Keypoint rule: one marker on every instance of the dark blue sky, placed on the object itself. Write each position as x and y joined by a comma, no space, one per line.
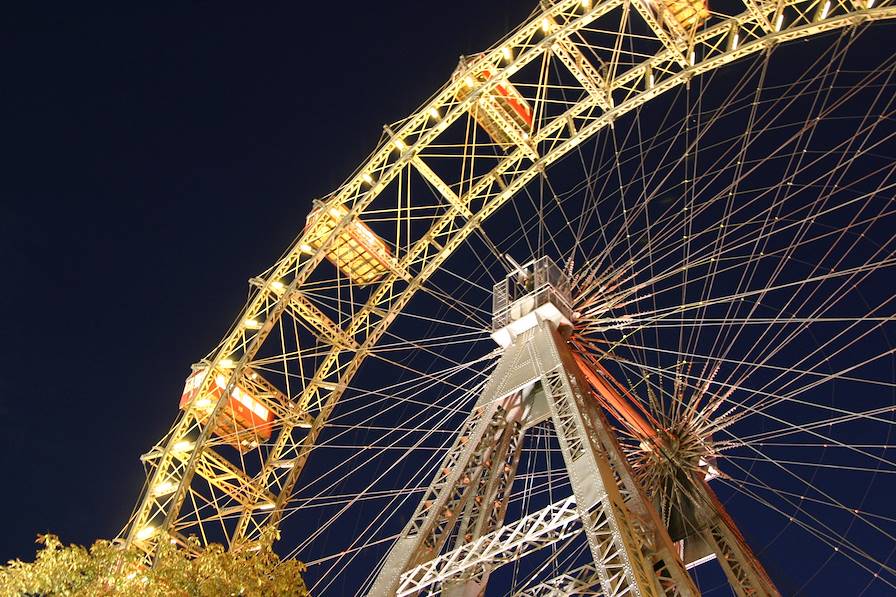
154,159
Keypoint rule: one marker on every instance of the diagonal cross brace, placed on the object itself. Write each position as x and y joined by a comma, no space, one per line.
632,553
535,531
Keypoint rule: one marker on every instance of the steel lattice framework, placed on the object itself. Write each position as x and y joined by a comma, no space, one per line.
299,306
632,551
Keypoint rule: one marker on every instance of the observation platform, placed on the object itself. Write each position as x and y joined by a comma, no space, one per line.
536,291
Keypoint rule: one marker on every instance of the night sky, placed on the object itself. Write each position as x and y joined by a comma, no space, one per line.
154,159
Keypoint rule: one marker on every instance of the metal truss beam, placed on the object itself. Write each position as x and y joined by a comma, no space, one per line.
632,552
441,186
581,68
485,512
675,46
533,532
554,138
316,320
759,10
459,473
745,572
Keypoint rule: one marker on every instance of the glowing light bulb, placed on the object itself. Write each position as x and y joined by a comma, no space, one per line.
434,114
227,363
545,25
508,55
251,323
146,532
367,178
279,286
399,144
183,445
163,488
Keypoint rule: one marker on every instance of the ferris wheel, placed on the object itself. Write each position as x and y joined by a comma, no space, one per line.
611,313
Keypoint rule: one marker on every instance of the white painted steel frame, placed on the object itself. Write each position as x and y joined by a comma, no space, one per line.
632,551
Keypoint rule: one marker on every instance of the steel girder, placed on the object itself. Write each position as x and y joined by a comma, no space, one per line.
745,573
628,86
631,550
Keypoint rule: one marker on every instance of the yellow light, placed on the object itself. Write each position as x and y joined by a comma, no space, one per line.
183,445
203,402
266,506
545,25
146,532
693,58
825,9
508,55
279,286
367,178
779,22
226,363
399,145
434,114
586,3
305,248
251,324
469,81
870,3
163,488
735,41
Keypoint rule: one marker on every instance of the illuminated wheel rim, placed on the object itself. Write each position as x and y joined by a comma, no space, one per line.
394,270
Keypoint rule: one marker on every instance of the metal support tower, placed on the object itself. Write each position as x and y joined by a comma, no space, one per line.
535,380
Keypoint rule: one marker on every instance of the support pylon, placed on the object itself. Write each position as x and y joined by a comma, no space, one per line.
745,572
536,379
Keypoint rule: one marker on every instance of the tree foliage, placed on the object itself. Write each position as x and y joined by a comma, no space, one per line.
106,569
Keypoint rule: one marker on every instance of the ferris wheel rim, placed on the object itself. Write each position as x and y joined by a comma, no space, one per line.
354,185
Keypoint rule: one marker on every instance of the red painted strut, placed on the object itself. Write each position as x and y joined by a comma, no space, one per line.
609,393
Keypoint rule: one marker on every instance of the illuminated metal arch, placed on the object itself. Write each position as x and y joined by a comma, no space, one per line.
257,500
